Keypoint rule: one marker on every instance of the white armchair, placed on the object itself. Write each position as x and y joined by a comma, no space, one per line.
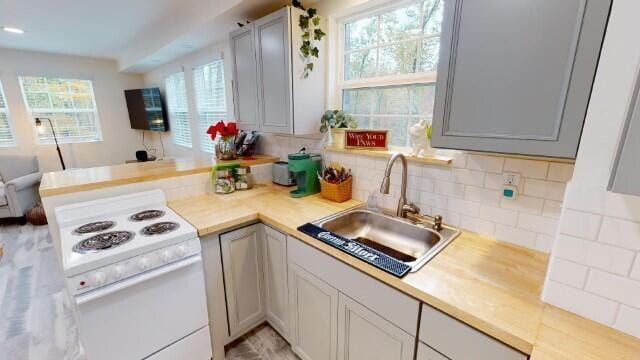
19,182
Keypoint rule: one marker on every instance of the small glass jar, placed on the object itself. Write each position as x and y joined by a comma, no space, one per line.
244,179
225,182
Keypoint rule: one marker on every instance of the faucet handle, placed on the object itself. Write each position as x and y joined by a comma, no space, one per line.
437,222
410,208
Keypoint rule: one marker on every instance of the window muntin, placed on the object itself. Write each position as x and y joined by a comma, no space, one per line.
178,108
389,62
69,104
211,101
7,136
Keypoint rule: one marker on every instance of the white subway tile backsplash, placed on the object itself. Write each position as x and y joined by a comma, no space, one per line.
619,232
463,207
628,320
478,225
568,273
544,189
436,172
594,254
614,287
433,200
449,188
538,224
498,215
494,181
527,168
580,302
468,177
515,235
544,243
459,159
482,195
560,172
635,271
580,224
552,209
448,217
484,162
523,204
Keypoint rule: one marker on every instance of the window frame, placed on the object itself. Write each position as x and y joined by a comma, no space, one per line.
187,110
61,140
340,84
5,110
202,136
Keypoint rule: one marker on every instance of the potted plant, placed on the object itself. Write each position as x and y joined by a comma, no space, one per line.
225,147
333,124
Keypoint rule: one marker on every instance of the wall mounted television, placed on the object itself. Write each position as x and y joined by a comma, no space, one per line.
146,109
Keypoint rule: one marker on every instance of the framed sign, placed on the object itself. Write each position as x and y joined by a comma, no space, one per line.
366,139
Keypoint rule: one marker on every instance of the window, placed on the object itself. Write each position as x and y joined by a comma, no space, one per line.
389,62
211,100
178,109
69,104
7,137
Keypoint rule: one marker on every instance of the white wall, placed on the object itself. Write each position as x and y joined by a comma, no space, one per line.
119,141
186,64
595,264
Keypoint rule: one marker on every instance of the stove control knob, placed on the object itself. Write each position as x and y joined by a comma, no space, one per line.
143,263
165,256
98,278
181,251
118,272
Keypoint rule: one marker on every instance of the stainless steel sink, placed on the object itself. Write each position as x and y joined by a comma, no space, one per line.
413,243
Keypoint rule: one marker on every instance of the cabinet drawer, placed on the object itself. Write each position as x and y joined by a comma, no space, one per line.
391,304
459,341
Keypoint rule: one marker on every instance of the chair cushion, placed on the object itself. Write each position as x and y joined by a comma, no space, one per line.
3,198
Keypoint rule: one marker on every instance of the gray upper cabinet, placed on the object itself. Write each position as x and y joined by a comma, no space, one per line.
625,176
516,76
245,92
268,76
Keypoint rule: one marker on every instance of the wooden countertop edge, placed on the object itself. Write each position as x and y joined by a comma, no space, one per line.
433,160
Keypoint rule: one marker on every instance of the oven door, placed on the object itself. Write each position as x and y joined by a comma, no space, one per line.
142,315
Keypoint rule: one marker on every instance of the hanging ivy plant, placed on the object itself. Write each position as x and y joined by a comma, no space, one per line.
311,34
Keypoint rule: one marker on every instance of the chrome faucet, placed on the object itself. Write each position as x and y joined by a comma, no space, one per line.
404,207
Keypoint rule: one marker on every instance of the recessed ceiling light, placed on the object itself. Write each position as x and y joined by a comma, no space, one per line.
12,30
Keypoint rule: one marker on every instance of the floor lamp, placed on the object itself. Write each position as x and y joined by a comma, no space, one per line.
53,130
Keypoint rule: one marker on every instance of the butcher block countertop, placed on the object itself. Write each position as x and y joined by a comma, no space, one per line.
74,180
491,285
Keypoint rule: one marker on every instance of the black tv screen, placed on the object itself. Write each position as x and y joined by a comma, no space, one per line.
146,110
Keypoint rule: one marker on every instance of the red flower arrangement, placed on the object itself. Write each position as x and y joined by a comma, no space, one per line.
224,130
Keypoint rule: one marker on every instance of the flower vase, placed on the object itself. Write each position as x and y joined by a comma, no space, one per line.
226,148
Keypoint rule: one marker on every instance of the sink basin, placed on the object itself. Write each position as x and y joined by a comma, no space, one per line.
411,243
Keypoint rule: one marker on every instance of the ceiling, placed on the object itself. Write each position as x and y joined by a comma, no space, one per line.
139,34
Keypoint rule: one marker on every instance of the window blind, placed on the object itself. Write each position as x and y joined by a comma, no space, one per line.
211,101
178,107
7,137
69,104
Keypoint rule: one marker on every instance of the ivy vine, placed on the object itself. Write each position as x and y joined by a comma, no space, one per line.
311,34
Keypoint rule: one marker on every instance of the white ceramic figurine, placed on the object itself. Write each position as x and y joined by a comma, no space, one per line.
419,139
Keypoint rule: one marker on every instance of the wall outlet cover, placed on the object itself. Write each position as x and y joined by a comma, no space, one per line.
510,192
510,179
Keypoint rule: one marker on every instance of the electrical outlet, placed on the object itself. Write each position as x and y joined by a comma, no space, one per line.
510,179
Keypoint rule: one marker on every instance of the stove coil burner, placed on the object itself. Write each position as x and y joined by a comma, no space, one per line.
159,228
146,215
94,227
103,241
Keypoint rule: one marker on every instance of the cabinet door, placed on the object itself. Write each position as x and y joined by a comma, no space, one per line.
245,91
427,353
273,51
625,177
243,279
363,335
516,76
275,272
314,315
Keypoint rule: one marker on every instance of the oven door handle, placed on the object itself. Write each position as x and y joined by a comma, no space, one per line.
98,293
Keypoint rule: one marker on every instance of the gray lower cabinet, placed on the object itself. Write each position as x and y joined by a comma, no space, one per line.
270,94
427,353
276,282
364,335
625,175
314,314
516,76
243,278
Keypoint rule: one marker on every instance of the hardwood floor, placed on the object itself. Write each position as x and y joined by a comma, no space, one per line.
36,320
261,343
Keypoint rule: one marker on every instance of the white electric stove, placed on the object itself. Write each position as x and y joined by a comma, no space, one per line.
134,269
